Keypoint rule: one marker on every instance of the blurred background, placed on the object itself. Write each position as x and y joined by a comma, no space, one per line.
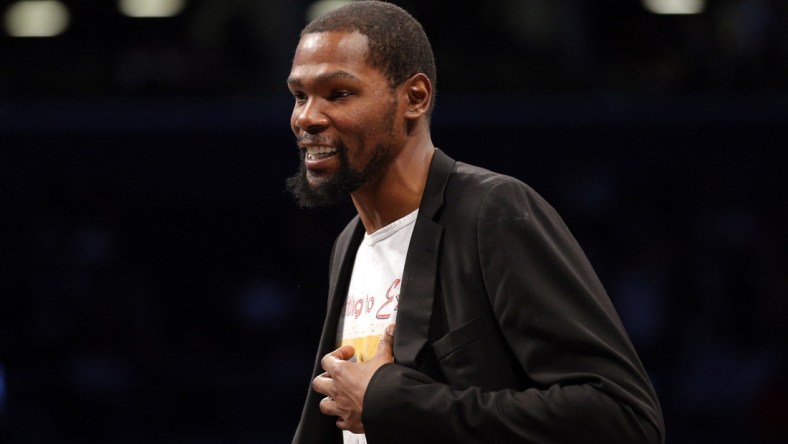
158,285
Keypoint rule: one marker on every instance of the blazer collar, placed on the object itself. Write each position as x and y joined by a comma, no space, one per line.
339,280
433,198
417,292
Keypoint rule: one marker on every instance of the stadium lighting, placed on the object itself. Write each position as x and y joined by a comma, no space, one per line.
151,8
36,18
675,6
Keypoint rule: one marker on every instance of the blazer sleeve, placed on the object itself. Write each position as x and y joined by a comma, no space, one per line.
586,381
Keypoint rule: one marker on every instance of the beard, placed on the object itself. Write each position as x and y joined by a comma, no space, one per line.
346,180
338,187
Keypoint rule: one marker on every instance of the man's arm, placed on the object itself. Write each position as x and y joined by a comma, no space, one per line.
587,384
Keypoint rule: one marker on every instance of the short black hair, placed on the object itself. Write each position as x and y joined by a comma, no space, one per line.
398,45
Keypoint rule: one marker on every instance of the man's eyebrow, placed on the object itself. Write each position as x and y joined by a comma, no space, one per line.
296,81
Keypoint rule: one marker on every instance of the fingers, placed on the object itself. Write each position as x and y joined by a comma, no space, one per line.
388,335
328,406
386,344
344,383
323,384
331,360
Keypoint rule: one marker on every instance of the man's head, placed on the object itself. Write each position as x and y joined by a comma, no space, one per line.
398,45
361,75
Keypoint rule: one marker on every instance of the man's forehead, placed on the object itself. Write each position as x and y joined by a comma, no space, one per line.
330,55
334,44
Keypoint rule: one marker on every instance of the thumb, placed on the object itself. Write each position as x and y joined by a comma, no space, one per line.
333,359
345,353
386,344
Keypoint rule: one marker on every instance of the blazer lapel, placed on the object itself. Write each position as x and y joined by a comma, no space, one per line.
341,269
315,426
421,267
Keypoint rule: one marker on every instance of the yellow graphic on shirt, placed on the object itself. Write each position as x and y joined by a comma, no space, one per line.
366,346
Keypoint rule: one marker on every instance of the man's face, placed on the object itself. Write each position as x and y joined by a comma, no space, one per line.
343,117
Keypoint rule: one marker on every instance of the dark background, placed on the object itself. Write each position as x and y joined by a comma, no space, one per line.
158,285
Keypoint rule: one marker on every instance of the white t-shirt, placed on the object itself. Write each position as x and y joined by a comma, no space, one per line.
373,294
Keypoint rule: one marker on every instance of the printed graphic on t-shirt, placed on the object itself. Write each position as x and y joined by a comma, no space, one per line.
374,289
365,316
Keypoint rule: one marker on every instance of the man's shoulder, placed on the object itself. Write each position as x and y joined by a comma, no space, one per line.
472,178
475,190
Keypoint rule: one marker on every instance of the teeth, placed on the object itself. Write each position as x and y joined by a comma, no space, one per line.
315,152
312,150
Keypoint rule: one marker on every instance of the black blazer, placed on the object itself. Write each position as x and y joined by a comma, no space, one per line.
504,332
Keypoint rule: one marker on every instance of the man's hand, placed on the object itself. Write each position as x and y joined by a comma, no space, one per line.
344,383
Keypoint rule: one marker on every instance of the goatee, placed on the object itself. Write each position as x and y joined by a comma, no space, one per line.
338,187
335,189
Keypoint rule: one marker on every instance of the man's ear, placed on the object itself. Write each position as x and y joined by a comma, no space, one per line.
419,92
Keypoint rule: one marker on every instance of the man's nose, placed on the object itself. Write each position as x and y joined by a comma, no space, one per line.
311,118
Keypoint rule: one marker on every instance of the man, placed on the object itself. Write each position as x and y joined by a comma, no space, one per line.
503,331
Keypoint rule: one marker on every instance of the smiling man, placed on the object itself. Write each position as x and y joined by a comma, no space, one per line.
503,331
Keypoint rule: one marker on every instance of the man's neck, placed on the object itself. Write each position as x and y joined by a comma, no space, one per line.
398,191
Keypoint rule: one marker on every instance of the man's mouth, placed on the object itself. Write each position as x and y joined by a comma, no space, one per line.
319,152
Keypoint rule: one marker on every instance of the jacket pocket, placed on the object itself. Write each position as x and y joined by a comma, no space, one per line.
454,340
475,355
462,355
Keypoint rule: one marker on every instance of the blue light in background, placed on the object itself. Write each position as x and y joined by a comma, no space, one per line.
2,389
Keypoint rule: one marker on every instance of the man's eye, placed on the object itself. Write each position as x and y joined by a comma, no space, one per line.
340,94
299,97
